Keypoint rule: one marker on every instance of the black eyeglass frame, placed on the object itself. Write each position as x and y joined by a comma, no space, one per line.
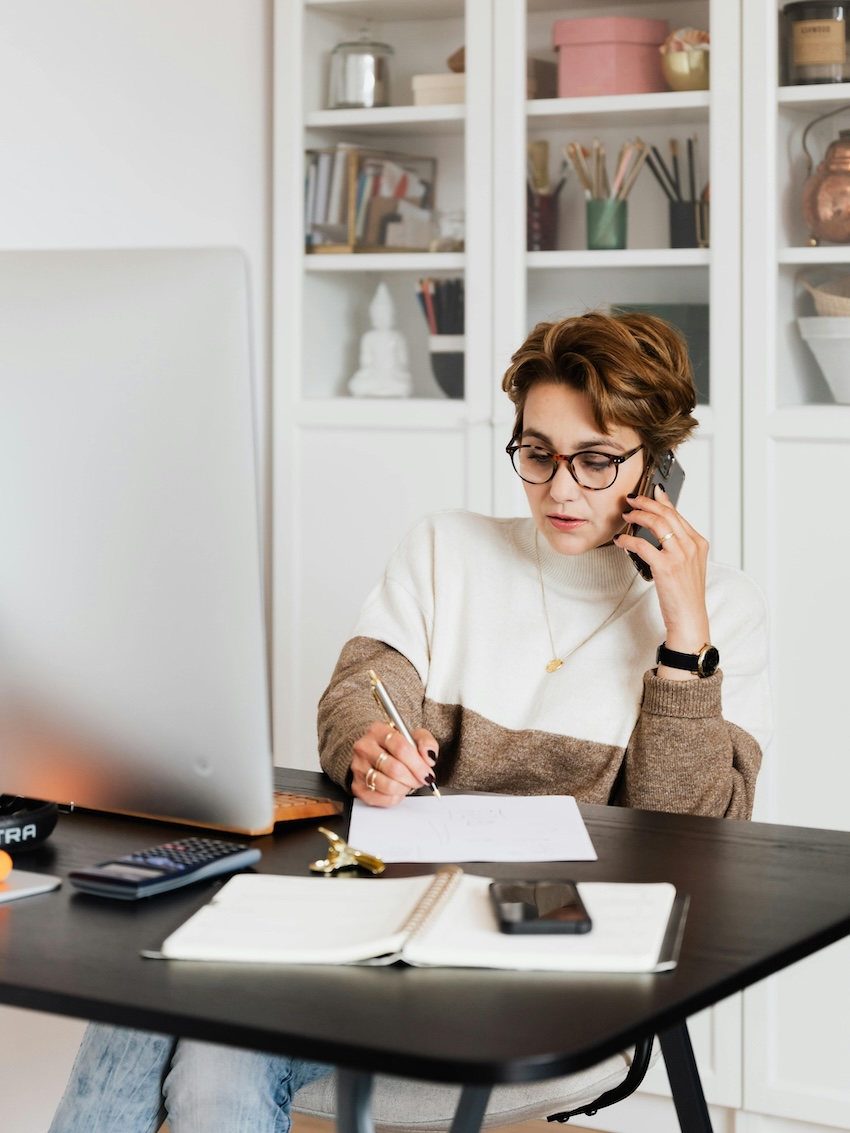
514,447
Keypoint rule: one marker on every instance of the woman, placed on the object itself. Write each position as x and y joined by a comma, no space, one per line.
524,655
523,651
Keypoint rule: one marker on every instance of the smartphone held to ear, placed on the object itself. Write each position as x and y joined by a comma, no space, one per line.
670,475
539,906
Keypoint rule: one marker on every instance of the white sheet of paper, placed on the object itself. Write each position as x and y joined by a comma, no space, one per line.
473,828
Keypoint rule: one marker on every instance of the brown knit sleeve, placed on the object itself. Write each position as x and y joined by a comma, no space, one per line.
347,706
684,757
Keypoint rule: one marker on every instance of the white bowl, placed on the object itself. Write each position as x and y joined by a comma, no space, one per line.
828,338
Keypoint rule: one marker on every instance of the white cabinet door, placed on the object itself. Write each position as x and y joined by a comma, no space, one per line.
355,492
797,1025
796,465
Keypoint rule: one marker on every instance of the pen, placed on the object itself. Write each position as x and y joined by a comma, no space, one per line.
657,175
386,703
665,173
674,152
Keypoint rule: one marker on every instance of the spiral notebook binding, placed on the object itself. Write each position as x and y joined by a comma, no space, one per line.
446,880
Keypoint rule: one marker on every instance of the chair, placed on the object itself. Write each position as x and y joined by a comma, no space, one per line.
407,1106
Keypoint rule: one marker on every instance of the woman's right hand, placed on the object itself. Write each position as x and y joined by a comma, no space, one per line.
385,767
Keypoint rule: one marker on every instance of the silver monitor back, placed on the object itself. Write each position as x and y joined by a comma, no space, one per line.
133,667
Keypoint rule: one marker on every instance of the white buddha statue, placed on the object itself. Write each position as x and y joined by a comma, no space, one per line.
384,363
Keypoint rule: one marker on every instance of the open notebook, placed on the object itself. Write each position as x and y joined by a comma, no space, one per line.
438,920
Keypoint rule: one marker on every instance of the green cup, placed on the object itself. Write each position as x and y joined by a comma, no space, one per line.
606,224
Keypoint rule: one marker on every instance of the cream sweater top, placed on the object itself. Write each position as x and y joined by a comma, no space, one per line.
457,630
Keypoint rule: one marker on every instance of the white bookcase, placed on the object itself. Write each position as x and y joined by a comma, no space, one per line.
796,465
351,474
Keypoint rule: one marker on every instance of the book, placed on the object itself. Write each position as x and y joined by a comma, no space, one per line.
309,194
338,191
436,920
323,184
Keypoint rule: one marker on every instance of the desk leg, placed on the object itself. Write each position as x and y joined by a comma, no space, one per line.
470,1109
353,1101
354,1110
685,1080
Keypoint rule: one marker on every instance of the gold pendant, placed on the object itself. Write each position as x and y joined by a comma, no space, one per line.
554,665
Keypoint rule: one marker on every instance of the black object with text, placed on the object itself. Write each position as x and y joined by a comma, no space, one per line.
164,867
670,475
539,906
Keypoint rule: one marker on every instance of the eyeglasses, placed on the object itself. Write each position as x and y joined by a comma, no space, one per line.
593,470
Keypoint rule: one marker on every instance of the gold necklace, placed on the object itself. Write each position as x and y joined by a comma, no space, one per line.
557,661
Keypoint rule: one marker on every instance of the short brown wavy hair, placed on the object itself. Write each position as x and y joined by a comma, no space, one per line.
634,368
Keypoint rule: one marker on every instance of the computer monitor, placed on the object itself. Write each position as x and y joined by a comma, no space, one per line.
133,661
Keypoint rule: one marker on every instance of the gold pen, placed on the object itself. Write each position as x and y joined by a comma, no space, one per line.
385,703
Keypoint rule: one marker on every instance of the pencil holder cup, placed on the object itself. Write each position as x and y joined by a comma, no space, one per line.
688,224
447,357
607,223
541,216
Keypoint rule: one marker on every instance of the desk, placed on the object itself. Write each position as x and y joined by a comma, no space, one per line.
762,897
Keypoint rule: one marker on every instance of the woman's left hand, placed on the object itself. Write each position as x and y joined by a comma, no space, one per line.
678,569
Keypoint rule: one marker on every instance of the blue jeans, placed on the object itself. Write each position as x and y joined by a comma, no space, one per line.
126,1081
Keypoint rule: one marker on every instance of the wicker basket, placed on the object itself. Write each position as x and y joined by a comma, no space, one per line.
832,297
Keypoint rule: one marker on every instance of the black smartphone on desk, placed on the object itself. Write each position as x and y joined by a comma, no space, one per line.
670,475
539,906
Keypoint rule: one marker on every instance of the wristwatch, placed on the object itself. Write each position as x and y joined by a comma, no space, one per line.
704,663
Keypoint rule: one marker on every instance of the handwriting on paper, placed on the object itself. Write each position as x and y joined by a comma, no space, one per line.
473,828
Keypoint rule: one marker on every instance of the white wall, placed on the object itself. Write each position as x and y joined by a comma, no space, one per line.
129,123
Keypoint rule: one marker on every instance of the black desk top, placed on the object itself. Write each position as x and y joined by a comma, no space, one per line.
761,897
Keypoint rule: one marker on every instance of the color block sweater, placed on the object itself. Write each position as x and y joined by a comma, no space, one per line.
457,631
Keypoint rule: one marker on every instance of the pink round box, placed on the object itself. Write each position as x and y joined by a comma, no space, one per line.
609,55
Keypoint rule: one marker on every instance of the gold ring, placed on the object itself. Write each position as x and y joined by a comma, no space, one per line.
379,762
387,738
371,776
669,535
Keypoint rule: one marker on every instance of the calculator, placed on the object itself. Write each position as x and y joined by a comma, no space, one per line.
160,868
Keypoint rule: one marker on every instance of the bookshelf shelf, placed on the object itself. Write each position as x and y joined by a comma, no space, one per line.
413,121
833,254
620,110
824,95
415,413
385,262
380,10
627,258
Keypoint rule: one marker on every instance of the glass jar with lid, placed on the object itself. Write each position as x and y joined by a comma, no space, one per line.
360,74
816,42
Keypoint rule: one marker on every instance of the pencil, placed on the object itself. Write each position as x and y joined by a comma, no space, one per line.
622,166
604,186
580,167
636,168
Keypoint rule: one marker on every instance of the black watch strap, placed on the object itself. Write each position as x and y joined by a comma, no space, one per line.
704,663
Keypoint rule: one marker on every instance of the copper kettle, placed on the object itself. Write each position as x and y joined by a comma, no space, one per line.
826,192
